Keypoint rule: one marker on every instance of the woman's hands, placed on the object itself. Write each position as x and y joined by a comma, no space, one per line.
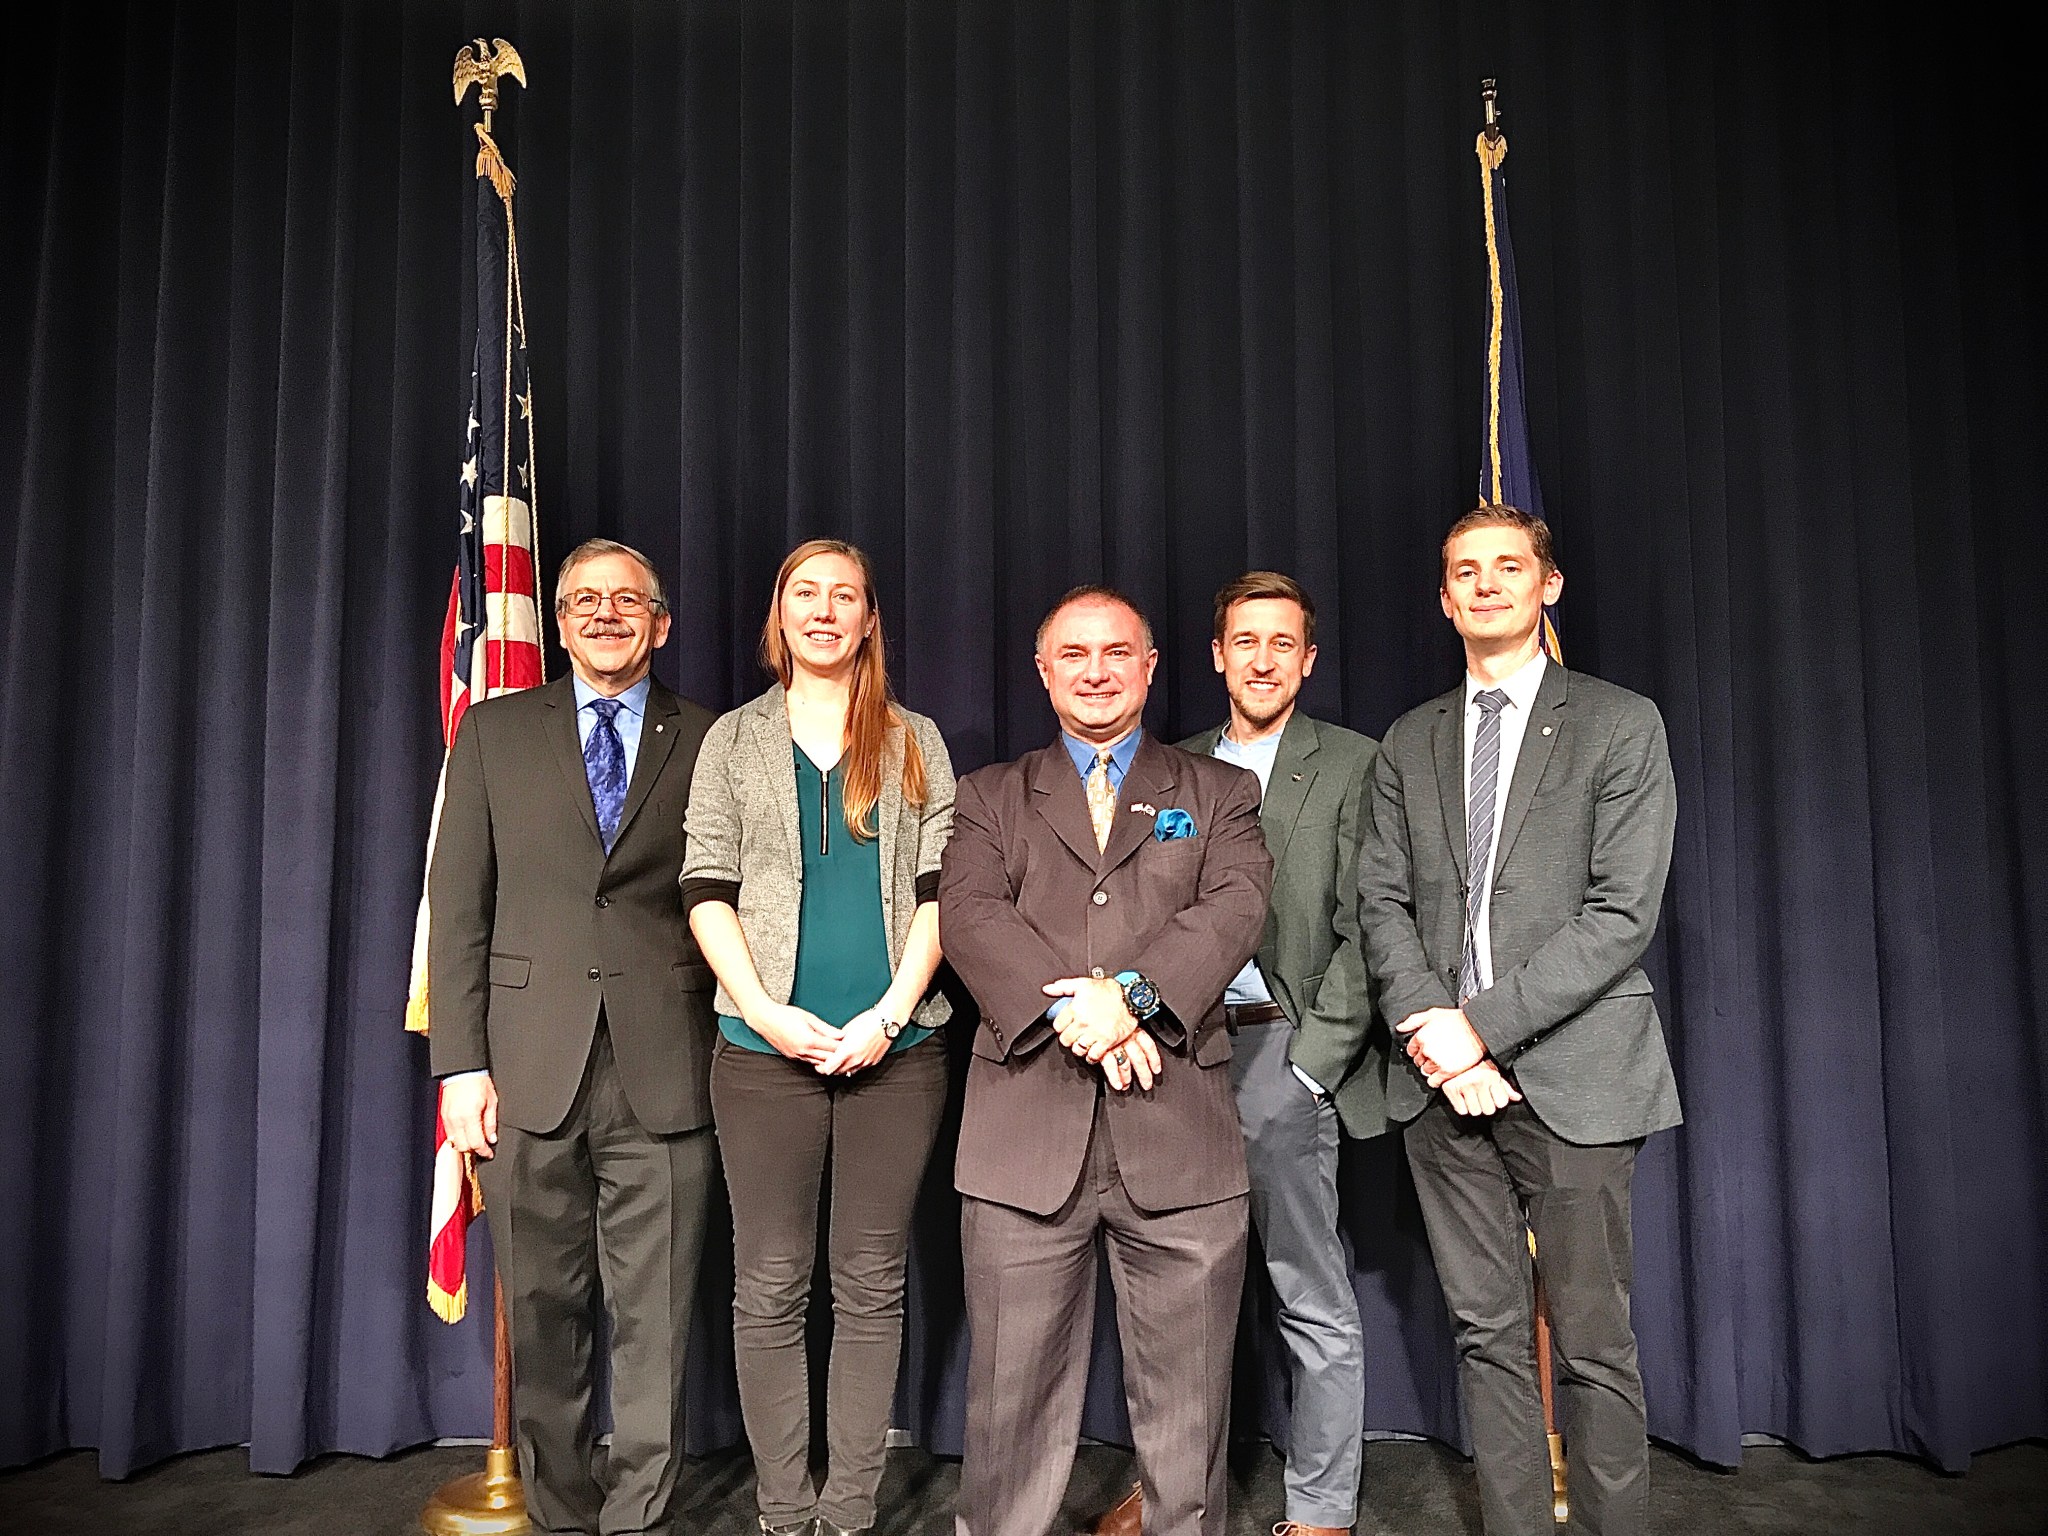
796,1032
861,1044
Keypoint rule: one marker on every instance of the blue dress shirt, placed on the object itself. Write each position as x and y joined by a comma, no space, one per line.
1120,756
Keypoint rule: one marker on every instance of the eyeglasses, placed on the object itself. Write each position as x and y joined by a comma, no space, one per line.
626,603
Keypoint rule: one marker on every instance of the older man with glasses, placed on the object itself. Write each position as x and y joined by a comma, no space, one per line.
573,1027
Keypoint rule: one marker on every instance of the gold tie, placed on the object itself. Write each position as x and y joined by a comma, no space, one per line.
1101,799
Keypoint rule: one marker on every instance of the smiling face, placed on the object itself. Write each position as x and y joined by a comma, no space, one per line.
1264,655
1494,591
608,650
825,615
1096,668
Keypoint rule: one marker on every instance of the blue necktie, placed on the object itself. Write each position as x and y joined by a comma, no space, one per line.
604,764
1479,828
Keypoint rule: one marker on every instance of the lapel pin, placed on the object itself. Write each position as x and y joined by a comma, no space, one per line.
1297,778
1142,809
1546,729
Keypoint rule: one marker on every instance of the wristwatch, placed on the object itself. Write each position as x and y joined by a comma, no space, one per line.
1141,994
890,1028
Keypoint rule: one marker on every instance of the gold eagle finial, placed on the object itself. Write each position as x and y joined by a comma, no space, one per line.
482,66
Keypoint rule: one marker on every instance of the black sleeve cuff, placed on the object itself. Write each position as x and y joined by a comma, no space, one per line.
701,890
928,887
1167,1028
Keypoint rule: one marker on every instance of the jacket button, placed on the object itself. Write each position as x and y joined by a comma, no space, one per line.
997,1031
1096,972
593,973
1101,898
604,901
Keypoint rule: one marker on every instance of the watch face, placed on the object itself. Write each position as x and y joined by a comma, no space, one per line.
1142,997
891,1029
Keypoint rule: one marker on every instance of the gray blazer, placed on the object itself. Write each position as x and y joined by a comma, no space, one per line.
1578,878
744,846
1313,815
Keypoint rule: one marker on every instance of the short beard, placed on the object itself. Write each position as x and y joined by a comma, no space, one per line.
1257,713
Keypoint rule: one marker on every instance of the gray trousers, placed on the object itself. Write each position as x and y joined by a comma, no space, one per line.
1178,1276
1290,1145
599,1205
1474,1177
778,1120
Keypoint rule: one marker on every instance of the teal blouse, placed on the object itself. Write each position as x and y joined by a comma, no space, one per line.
842,952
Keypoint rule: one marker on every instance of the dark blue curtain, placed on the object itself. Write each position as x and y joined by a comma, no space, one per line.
1017,295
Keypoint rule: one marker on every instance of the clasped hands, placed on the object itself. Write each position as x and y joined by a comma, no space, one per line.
1450,1055
1098,1027
802,1036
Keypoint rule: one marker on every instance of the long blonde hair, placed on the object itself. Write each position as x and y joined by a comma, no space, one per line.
871,709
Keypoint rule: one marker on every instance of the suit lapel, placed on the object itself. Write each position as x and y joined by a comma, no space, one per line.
657,740
1547,719
1151,781
1448,740
560,696
1287,787
1057,792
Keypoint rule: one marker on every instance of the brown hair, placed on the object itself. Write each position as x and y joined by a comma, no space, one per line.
1498,514
1091,592
870,711
1253,585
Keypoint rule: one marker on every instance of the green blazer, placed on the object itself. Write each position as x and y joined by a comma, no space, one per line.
1310,954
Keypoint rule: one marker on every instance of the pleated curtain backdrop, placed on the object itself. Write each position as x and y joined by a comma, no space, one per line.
1017,295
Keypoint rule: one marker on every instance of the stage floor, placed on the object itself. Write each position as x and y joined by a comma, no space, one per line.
1412,1489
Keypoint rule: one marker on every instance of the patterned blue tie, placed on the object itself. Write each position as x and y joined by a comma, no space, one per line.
1479,799
604,764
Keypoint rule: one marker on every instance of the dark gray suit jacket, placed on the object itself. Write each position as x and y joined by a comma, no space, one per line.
1578,877
1310,953
535,928
1025,898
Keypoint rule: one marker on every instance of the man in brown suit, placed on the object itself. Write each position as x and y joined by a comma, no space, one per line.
1096,897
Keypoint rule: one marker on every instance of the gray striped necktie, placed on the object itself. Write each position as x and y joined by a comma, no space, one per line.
1479,798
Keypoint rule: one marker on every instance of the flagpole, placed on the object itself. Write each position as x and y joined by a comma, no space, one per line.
491,1502
1492,150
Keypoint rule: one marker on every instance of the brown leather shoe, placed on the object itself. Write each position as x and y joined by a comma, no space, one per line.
1296,1528
1126,1517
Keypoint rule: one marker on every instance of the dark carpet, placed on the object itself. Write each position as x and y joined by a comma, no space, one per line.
1413,1488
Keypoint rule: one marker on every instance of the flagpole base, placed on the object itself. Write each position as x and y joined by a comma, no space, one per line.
1560,1506
487,1503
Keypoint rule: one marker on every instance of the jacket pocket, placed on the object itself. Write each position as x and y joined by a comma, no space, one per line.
510,970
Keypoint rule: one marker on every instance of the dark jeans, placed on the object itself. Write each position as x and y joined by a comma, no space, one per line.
778,1120
1474,1177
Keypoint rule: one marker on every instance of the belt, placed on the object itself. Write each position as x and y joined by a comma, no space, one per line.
1252,1013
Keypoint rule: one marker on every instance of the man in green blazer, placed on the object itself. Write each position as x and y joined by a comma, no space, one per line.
1307,1055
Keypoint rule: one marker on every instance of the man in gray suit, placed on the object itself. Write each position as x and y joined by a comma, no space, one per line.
1520,834
1096,897
572,1026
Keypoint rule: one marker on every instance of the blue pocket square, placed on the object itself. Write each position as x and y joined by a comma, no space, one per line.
1172,823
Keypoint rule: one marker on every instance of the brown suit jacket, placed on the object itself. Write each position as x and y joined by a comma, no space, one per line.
1025,898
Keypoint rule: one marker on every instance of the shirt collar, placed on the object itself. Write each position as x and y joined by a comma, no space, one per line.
1083,752
633,700
1519,685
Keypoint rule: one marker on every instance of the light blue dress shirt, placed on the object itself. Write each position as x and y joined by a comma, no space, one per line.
1120,756
628,721
1249,985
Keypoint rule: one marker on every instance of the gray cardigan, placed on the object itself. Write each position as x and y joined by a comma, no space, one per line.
744,847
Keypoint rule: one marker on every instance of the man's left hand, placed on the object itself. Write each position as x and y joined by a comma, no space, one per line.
1442,1043
1095,1020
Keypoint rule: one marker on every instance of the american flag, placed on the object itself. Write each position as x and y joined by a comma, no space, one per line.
1507,468
490,640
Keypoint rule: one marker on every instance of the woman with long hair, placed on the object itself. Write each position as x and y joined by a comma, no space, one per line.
817,816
